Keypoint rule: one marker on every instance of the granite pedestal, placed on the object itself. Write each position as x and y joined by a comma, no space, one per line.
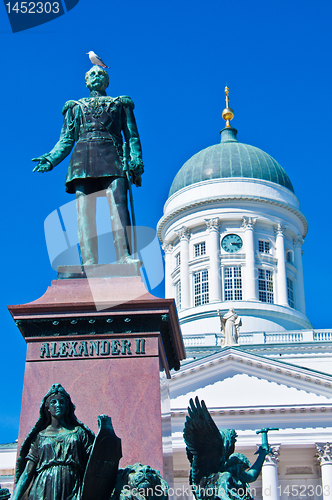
111,345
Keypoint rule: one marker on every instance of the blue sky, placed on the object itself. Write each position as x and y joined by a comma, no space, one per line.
174,59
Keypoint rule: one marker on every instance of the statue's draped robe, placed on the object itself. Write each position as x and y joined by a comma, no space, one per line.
230,330
60,464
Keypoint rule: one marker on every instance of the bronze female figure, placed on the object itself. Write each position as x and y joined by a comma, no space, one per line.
53,457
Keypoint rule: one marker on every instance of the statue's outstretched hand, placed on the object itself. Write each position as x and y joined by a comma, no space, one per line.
44,165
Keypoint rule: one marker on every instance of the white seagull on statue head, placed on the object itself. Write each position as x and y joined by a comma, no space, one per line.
96,59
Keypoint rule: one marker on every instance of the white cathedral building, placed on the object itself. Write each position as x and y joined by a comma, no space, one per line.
232,232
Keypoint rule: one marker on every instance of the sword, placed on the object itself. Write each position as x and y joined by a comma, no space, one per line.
131,198
265,445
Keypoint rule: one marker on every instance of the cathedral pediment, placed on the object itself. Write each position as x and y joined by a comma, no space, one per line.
246,391
233,361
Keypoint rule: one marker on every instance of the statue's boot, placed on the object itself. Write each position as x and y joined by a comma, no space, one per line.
121,249
128,259
117,199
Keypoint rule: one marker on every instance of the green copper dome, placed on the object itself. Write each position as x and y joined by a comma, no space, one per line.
230,158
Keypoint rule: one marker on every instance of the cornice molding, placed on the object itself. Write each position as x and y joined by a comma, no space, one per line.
200,203
309,420
262,410
248,308
302,433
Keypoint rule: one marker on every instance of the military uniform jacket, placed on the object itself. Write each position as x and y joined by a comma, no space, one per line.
95,124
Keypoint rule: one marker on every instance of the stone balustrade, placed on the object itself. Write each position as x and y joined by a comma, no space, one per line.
291,336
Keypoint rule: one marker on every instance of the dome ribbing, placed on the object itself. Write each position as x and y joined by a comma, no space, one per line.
228,159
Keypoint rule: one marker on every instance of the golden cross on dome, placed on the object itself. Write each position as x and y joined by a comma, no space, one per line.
228,113
227,99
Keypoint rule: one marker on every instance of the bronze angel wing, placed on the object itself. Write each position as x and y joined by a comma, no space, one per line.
204,442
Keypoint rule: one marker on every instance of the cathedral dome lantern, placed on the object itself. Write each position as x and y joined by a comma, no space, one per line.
232,232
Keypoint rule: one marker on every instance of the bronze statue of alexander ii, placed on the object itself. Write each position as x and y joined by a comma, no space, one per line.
97,125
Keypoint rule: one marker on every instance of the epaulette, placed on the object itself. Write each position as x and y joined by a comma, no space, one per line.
127,101
68,104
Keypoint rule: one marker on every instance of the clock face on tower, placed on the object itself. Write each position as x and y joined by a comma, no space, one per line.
231,243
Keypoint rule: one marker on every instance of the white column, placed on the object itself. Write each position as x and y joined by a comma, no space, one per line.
250,287
191,299
270,481
214,254
222,279
184,235
299,285
324,452
282,298
168,249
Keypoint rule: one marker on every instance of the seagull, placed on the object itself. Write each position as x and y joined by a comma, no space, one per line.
96,59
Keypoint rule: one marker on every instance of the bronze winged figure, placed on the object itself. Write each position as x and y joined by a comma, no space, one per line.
216,471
